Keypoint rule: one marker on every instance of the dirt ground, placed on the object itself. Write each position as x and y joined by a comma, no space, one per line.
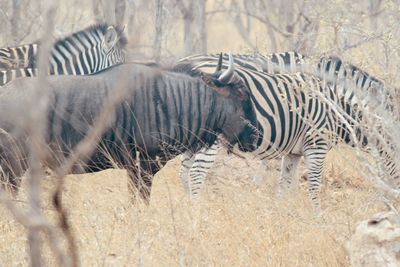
234,223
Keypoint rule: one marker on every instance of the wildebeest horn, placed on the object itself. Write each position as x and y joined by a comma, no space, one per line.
227,75
219,65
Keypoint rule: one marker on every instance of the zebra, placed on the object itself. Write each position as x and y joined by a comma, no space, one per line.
85,52
285,62
18,57
159,114
267,91
194,168
333,69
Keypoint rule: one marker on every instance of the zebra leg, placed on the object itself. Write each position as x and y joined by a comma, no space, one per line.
258,177
287,180
187,160
315,152
203,161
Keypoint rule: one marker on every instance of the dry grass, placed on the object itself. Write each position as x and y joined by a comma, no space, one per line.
235,224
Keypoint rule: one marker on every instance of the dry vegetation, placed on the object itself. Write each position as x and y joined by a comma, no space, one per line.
235,223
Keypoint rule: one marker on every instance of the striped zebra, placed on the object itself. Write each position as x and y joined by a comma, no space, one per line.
286,62
85,52
294,124
18,57
334,69
194,168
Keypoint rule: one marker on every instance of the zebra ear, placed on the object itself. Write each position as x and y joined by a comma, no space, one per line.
110,38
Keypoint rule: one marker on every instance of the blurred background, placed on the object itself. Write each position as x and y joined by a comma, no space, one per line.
364,32
234,223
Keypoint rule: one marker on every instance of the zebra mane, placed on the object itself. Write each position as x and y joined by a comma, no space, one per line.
94,29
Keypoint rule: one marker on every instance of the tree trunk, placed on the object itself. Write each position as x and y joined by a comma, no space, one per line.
98,16
157,44
188,29
203,26
15,22
109,11
120,10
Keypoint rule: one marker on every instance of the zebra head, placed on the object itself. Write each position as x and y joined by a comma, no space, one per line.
240,121
112,46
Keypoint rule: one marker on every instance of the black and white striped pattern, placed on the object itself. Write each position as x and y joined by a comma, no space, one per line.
18,57
333,69
85,52
194,168
295,122
286,62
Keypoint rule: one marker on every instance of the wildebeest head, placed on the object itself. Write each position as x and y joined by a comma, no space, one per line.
240,120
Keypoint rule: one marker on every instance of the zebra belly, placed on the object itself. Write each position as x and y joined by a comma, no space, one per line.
278,141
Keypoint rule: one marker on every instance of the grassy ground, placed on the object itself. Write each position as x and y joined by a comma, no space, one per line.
235,223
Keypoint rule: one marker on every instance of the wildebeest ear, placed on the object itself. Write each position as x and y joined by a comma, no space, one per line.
210,81
110,38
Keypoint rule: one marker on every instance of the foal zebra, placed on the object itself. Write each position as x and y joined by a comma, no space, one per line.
85,52
293,125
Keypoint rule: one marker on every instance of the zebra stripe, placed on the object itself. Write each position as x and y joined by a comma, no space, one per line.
85,52
334,69
17,57
286,62
296,123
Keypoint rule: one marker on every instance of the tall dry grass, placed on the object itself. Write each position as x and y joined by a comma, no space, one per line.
234,224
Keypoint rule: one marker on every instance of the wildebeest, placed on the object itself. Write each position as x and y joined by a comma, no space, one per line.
162,114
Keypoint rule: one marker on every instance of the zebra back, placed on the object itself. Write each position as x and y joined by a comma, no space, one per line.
373,91
286,62
85,52
18,57
7,76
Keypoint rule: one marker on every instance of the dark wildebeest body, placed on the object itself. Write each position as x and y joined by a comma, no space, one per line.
162,114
